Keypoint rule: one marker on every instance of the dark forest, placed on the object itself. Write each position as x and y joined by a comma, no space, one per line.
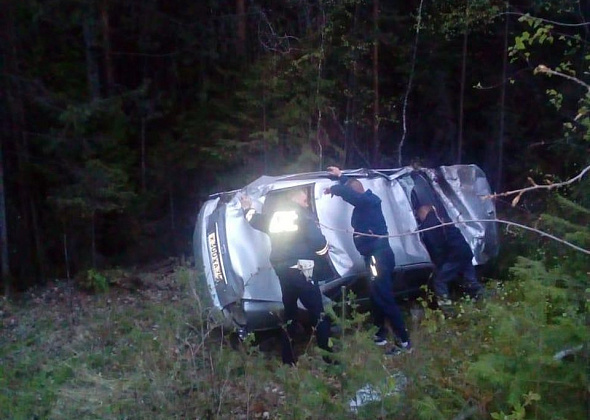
119,118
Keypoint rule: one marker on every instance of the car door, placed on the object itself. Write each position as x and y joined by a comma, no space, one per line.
461,194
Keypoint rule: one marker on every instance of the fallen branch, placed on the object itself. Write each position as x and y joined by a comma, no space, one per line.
560,355
540,232
536,186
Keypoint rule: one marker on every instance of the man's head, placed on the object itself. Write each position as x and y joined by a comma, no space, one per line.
299,196
356,185
423,211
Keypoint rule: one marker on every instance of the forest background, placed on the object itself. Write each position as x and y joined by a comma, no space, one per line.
119,118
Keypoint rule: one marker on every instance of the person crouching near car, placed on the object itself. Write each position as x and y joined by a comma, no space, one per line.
371,241
451,255
294,236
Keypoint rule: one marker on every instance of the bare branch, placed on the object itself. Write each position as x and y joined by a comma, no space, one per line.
536,186
506,222
519,193
269,39
553,22
322,29
409,88
541,68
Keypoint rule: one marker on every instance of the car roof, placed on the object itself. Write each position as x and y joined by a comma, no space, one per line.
391,173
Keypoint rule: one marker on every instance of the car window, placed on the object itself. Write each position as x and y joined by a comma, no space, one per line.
277,198
424,194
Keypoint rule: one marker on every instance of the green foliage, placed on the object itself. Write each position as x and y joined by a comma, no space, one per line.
160,352
95,281
536,321
451,18
569,220
543,315
559,54
518,410
98,189
542,33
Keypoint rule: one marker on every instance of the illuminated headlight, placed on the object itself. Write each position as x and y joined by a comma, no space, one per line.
216,260
283,221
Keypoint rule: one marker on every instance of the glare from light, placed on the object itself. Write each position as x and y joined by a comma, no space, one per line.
283,221
373,266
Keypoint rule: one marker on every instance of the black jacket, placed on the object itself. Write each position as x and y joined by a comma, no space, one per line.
444,244
367,216
294,234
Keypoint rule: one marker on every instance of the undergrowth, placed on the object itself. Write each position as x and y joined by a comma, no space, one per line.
157,353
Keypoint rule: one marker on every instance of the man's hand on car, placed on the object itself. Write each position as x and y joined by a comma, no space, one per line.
246,202
334,170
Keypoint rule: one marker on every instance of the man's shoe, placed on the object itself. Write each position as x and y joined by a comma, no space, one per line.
379,340
444,302
403,348
380,337
330,361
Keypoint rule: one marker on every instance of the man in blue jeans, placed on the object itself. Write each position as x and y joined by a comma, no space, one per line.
370,239
451,255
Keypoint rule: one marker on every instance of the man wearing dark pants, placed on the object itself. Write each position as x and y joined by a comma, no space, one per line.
294,236
295,286
451,255
370,239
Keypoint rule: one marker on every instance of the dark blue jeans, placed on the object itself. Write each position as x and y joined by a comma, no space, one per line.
294,286
383,303
461,271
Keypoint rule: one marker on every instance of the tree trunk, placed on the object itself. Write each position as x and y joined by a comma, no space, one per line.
66,256
172,207
350,117
91,49
321,29
241,32
143,165
375,158
106,45
401,144
29,248
6,280
264,128
39,250
462,87
93,238
172,237
500,147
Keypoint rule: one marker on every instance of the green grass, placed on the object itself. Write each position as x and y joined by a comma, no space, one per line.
157,354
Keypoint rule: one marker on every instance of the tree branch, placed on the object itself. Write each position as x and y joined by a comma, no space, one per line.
536,186
541,68
553,22
409,87
507,222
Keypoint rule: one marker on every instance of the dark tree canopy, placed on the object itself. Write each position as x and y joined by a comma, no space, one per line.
120,117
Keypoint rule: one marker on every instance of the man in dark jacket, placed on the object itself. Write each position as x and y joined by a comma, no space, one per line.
371,241
294,236
451,255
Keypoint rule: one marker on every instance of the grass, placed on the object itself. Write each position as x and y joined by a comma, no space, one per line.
156,353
